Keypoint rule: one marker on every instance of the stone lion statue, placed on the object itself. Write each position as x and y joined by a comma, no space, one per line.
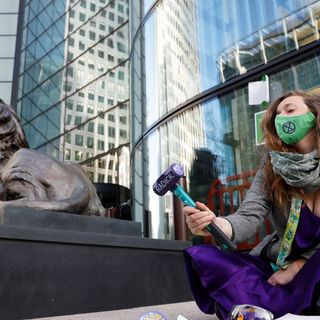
31,179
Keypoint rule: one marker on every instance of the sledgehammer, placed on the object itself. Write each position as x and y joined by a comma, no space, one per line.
169,181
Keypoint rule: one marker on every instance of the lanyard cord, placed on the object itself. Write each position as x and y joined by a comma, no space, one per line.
287,239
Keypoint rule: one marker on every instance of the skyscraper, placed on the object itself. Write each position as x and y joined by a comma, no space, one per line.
73,84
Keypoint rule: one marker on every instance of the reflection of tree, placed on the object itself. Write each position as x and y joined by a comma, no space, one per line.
204,170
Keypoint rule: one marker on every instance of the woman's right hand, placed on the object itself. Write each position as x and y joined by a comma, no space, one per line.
198,218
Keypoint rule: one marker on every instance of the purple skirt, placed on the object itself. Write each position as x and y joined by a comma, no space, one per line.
220,280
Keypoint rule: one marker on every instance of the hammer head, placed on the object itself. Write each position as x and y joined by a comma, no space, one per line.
168,179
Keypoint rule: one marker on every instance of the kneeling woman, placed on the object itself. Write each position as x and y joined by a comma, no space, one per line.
283,271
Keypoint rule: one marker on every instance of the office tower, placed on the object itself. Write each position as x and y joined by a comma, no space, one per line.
73,84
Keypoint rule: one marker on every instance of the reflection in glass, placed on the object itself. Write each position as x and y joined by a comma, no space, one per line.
73,98
289,33
216,143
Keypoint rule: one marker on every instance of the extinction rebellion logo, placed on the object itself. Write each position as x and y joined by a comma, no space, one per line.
153,315
289,127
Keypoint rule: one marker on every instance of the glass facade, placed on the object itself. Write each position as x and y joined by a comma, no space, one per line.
8,33
73,84
189,94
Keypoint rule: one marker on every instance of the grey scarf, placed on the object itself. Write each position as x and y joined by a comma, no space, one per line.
298,170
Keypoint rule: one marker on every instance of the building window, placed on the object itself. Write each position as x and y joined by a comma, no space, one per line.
69,72
78,155
100,177
101,163
67,154
81,46
111,132
90,96
81,62
120,34
101,99
92,7
111,117
71,42
111,146
110,43
123,119
77,120
102,27
100,128
110,102
100,54
110,58
100,145
120,19
90,109
79,107
83,3
121,47
70,56
68,138
67,86
79,140
120,7
110,167
111,16
82,32
70,104
121,75
90,142
69,117
82,17
91,127
123,134
92,35
81,94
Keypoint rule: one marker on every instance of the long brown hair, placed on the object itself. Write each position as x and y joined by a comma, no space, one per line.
280,192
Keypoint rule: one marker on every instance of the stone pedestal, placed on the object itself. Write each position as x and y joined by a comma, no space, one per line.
50,269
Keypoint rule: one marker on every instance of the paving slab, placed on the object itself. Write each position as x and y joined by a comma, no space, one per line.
188,310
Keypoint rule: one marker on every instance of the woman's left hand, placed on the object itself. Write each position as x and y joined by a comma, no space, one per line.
282,277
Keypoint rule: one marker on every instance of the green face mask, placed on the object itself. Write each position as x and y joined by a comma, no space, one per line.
293,129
